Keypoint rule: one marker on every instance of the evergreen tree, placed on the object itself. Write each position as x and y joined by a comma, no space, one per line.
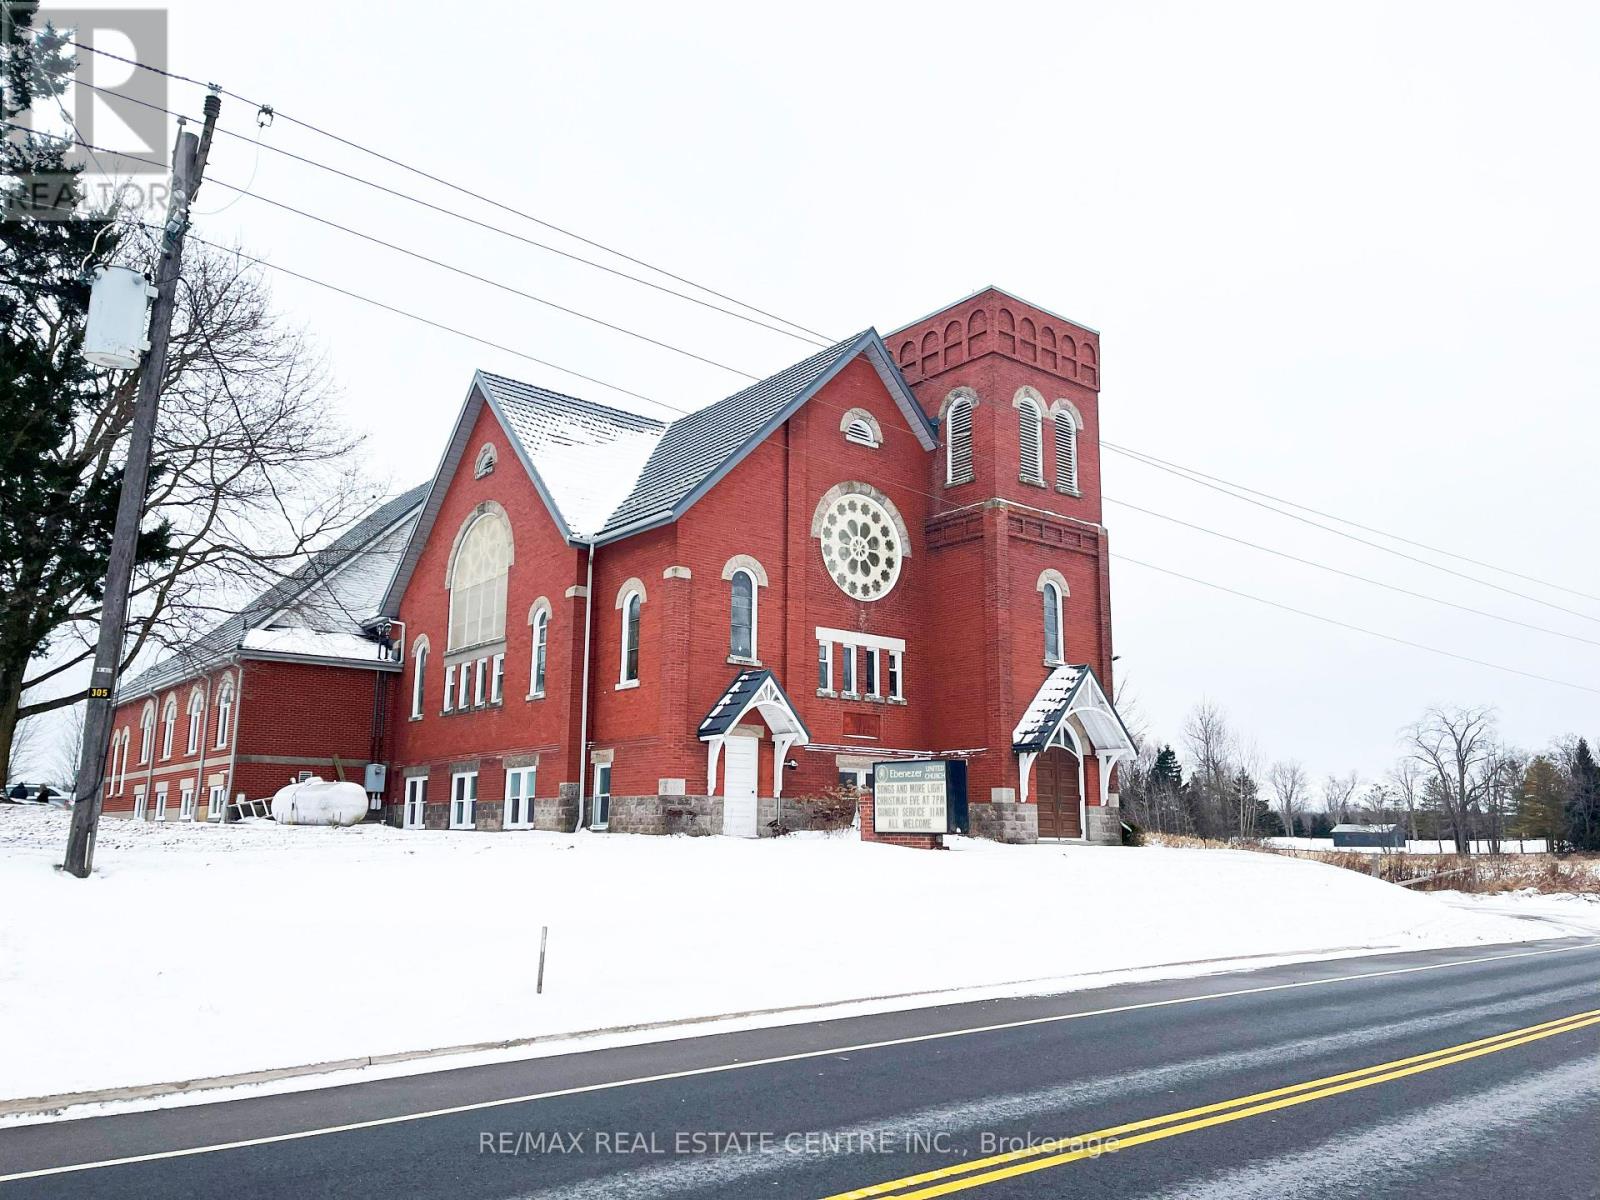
1541,800
1583,801
1167,774
55,518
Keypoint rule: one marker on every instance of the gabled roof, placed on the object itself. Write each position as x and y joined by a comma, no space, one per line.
605,474
1070,691
331,593
584,456
749,688
698,450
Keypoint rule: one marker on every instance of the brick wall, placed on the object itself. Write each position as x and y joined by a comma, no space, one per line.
915,841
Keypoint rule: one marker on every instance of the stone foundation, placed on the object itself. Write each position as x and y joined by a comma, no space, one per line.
1104,824
1005,821
692,815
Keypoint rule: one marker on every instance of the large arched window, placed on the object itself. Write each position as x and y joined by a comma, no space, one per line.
958,442
169,722
742,626
224,713
1030,439
147,732
630,604
1053,590
419,671
197,721
541,647
478,581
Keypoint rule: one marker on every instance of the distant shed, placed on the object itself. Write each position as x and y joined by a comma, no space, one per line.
1386,837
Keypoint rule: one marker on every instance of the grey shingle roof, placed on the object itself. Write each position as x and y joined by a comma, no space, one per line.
731,705
1070,689
696,448
226,637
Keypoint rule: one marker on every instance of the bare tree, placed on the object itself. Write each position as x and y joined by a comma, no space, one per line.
1289,787
1502,776
251,472
1455,748
1403,777
1336,793
1212,746
23,743
64,752
1245,774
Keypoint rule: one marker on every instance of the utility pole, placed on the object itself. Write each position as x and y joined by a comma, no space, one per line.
188,167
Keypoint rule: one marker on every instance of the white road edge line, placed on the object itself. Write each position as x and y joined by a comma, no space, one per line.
480,1105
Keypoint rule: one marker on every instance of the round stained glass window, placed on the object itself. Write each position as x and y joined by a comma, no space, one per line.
861,547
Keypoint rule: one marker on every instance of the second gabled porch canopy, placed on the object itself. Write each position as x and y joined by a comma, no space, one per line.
759,690
1072,711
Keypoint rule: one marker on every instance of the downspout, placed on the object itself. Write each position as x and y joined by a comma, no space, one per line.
235,718
583,700
200,767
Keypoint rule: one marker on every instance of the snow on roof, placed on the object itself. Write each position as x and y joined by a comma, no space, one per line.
1070,691
341,584
1348,828
312,643
587,455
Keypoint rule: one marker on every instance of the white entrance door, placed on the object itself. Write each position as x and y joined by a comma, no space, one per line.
740,756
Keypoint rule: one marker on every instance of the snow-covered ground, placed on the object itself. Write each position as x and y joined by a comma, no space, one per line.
1415,846
211,950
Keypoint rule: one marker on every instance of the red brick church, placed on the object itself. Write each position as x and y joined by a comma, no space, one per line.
590,618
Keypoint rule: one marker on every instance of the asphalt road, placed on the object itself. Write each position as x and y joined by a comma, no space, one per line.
1469,1073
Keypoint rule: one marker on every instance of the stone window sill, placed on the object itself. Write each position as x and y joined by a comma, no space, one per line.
534,696
827,693
739,660
1038,483
626,684
1074,492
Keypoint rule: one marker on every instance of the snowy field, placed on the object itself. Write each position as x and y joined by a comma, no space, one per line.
213,950
1415,846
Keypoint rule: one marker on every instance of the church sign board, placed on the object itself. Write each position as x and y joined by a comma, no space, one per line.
921,796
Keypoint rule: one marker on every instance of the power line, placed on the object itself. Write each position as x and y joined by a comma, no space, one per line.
506,287
1122,557
482,341
526,216
1321,566
1152,460
495,283
1180,472
1356,524
461,216
1388,637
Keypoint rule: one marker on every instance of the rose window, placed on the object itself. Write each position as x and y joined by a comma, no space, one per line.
861,547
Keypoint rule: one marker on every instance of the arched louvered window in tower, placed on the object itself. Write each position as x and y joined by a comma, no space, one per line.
1030,428
958,442
1066,453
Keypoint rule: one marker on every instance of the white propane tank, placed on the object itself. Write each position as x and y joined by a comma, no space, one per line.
318,802
117,332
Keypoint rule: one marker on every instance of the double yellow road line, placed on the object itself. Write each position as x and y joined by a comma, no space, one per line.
1061,1151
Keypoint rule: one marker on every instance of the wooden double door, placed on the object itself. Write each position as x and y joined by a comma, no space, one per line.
1055,791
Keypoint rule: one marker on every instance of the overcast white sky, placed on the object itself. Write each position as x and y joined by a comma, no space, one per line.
1345,255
